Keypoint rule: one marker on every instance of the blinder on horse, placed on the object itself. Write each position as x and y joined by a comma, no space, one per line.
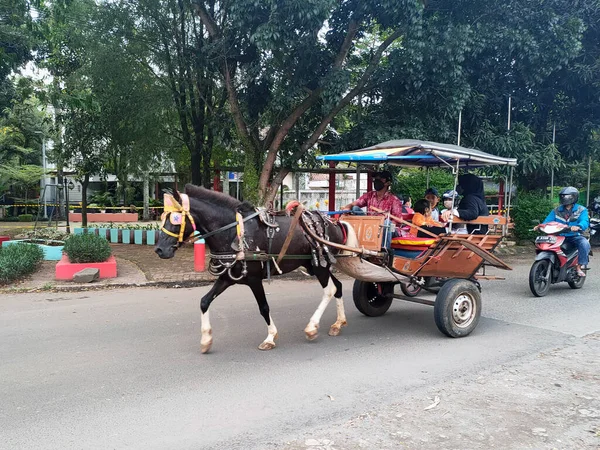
177,214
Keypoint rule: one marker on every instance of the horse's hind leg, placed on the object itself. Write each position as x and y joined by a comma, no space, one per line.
259,293
329,290
341,313
220,285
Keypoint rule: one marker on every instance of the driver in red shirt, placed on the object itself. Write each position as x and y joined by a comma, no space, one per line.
380,197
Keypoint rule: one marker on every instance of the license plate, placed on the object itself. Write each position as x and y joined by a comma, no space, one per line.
545,240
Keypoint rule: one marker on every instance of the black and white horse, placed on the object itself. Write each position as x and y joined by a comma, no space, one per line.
211,211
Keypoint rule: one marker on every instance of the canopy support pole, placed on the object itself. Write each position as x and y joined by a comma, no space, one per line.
552,173
587,204
510,185
459,127
332,186
357,181
427,178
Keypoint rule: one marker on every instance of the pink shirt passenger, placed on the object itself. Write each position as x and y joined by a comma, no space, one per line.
388,203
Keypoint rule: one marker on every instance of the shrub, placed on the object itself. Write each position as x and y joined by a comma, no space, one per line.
530,209
86,248
413,182
25,217
18,260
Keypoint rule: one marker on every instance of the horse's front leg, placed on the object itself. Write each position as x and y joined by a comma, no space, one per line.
259,293
329,290
222,283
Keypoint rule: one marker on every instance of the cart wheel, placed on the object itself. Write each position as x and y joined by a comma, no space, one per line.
372,299
411,289
457,308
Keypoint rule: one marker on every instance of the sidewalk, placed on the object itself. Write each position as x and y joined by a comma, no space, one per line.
177,269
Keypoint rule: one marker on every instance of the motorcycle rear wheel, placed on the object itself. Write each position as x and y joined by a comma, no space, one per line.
576,282
540,278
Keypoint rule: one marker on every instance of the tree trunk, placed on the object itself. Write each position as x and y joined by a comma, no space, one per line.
206,157
251,174
196,162
146,214
84,204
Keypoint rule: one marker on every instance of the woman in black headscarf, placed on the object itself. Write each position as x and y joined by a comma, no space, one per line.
472,204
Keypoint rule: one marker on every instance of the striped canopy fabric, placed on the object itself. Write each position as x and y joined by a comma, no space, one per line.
412,153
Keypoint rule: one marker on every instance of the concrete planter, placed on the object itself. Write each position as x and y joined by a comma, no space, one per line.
105,217
151,237
114,235
126,236
103,233
138,236
51,252
66,269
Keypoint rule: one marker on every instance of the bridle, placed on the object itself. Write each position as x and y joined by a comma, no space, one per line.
178,214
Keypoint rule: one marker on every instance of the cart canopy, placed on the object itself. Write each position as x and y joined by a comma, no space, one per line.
412,153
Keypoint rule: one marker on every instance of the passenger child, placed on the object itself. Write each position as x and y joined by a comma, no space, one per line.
423,219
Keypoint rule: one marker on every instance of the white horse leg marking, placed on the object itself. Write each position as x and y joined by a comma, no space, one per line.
269,342
312,328
341,318
206,341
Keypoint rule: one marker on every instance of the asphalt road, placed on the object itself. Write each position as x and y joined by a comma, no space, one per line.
123,369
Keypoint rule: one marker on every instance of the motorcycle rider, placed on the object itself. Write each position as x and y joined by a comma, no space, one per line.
569,212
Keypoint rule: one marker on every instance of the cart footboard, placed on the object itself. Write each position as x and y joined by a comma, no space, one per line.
361,269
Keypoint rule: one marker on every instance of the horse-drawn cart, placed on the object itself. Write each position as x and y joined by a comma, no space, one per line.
248,245
452,262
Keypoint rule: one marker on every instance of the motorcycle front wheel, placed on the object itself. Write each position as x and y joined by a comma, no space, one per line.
540,278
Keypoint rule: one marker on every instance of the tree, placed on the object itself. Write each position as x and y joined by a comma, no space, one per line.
165,38
293,66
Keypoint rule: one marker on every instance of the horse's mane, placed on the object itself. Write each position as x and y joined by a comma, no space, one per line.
213,197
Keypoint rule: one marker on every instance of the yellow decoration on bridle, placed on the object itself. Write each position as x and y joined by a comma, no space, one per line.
178,214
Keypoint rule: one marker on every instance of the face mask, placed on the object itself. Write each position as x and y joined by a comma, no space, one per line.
378,185
447,204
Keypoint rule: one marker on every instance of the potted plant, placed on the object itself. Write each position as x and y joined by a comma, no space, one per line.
86,251
138,234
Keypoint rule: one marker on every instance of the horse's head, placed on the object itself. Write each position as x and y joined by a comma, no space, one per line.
177,225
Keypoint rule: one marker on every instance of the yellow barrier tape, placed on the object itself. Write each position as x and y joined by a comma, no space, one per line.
78,206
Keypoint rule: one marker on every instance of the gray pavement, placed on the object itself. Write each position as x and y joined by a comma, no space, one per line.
123,369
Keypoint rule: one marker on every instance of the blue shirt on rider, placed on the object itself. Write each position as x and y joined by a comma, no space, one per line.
577,217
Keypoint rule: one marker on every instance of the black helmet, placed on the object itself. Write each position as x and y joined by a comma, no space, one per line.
568,196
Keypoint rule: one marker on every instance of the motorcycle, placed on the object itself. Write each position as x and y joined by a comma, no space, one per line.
595,223
556,261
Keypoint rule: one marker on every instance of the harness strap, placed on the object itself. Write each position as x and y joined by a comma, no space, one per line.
288,238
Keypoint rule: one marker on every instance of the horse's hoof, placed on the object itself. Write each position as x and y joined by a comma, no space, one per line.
205,347
312,335
267,346
336,329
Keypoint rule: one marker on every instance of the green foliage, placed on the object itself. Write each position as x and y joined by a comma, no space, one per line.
18,260
103,199
530,209
25,217
87,248
413,182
